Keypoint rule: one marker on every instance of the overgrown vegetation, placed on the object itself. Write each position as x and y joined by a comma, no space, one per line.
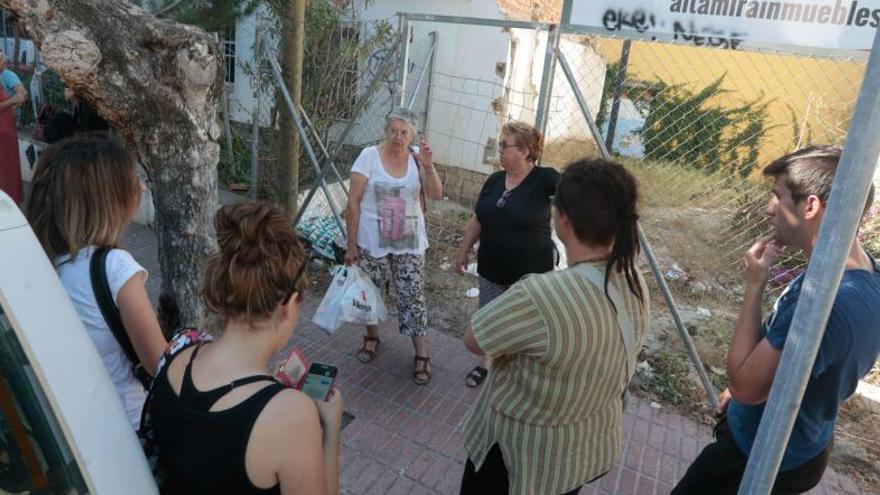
693,129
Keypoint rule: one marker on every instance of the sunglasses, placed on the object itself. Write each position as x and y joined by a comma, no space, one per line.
503,199
503,145
296,279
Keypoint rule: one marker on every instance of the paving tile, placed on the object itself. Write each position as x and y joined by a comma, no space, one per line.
627,483
650,462
645,486
369,475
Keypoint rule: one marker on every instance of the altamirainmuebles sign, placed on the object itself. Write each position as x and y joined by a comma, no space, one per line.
838,24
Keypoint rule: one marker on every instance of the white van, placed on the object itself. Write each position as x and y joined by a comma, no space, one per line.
62,427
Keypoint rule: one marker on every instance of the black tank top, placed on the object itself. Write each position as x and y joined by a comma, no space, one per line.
203,451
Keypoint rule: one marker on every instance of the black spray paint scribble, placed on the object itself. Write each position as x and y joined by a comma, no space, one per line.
641,21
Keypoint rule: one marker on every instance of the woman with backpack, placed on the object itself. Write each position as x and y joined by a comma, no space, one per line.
84,193
221,422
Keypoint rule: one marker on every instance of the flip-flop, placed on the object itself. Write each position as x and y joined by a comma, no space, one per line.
365,355
476,376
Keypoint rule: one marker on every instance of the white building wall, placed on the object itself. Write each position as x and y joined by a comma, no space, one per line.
241,93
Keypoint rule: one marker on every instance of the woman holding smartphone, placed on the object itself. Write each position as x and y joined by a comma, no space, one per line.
221,422
385,220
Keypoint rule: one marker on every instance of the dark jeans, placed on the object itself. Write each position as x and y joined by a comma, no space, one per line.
491,479
720,467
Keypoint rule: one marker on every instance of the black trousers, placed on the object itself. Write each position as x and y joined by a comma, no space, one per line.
720,467
491,479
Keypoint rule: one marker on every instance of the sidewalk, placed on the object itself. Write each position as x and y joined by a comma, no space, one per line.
406,439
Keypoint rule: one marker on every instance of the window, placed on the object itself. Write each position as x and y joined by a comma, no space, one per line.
228,42
34,456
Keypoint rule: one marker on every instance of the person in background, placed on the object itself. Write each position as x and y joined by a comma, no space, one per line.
221,421
12,95
84,194
85,118
564,343
385,219
511,221
849,348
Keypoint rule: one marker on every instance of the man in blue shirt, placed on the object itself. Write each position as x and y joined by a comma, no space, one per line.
849,348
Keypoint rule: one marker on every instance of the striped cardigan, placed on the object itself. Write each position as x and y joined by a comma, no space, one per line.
552,401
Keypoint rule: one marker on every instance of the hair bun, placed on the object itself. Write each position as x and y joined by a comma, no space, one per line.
260,257
251,232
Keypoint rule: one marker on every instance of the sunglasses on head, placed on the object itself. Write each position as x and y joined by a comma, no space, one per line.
296,279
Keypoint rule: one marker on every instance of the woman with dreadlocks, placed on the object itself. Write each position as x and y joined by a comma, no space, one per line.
563,345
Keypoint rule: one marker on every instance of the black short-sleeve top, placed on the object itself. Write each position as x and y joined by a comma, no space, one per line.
515,238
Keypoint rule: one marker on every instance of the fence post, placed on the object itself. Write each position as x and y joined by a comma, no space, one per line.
824,271
227,131
433,63
422,73
647,251
543,109
618,91
402,69
255,112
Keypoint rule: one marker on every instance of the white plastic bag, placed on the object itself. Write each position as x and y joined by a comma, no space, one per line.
362,301
329,314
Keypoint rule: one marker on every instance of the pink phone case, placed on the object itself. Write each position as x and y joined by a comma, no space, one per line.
296,356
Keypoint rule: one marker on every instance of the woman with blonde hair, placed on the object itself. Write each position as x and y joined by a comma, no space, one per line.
221,422
84,194
511,221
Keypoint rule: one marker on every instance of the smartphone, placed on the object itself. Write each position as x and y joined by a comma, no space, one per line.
319,381
293,371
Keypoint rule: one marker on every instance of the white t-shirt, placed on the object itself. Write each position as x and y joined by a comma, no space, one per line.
391,219
76,279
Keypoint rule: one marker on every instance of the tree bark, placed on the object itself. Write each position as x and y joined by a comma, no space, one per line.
158,83
292,40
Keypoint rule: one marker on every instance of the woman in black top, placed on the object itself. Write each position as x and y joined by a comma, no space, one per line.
511,221
221,422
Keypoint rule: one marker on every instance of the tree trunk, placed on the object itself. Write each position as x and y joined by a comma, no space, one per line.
292,38
158,83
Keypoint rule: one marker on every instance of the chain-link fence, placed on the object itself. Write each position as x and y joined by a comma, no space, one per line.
698,123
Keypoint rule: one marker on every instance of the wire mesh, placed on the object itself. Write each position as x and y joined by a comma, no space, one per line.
698,124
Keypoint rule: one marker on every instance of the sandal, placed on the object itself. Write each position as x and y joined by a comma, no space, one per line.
476,376
422,376
365,355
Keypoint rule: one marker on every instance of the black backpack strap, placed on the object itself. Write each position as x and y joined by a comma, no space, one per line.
104,298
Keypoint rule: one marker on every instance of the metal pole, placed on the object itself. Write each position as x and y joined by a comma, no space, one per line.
404,60
430,85
310,152
421,79
553,35
618,91
646,245
255,111
362,102
824,271
227,131
323,148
